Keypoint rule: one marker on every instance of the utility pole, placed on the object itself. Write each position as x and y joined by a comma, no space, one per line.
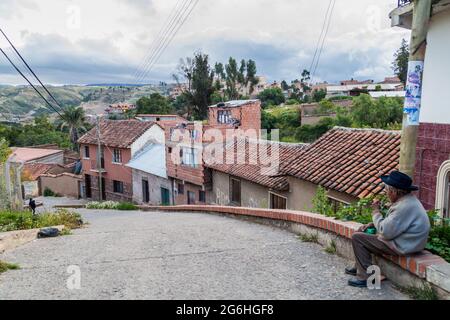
99,159
418,44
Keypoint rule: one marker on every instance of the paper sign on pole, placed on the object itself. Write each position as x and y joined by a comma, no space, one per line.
413,96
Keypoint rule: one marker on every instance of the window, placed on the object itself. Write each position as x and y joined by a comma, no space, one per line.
189,157
202,196
118,186
277,202
117,156
224,116
87,154
235,191
443,190
445,212
180,188
170,150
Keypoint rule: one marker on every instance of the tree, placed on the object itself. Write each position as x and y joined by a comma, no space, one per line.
242,79
379,113
251,75
400,63
319,95
5,151
284,85
232,78
73,118
271,97
155,104
202,86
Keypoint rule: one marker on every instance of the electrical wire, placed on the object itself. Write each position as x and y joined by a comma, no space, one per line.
40,94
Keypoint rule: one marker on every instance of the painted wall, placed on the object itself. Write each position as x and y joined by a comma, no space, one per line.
302,192
181,199
155,184
64,184
252,195
436,82
154,134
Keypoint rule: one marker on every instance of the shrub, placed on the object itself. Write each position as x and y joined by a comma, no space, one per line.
48,193
10,221
111,205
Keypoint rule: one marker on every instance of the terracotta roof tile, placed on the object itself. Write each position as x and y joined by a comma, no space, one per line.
260,173
117,134
348,160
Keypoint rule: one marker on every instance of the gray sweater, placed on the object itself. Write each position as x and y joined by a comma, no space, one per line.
406,226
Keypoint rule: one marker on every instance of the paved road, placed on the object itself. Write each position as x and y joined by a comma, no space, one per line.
179,256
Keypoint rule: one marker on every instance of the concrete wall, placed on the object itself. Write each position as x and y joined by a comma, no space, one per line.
252,195
155,184
155,134
436,96
64,184
302,192
57,158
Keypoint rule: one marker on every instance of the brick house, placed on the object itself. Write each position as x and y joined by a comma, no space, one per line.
191,181
432,172
251,183
346,162
120,141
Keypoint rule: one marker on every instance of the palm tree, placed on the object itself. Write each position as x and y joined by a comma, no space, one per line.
73,118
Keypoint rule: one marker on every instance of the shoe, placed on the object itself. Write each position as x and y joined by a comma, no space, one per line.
358,283
351,271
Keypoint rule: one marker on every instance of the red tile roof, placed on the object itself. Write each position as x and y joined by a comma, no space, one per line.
117,134
34,170
32,154
263,172
348,160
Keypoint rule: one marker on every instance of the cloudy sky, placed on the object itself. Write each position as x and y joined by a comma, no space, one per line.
105,41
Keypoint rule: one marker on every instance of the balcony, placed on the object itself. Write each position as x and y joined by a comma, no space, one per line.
402,3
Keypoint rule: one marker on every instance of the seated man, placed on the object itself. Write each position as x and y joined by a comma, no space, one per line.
403,231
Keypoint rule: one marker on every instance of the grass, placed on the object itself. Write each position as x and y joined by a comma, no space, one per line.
4,266
331,249
423,293
312,238
24,220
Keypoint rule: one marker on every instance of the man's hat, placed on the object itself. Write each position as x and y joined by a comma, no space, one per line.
399,180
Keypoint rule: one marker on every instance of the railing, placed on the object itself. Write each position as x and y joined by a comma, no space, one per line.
402,3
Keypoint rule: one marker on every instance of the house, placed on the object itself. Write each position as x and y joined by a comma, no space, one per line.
191,181
120,143
359,88
347,162
120,108
432,169
29,155
250,183
159,118
151,184
311,115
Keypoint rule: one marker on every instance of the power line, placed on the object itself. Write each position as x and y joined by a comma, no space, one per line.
31,70
169,30
183,18
157,39
324,39
20,72
320,37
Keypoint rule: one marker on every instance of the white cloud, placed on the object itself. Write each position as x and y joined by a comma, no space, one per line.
113,36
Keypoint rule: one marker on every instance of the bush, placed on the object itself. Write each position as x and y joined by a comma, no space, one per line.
439,239
48,193
11,221
111,205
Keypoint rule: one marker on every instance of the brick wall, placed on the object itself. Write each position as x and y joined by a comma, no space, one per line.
109,189
433,148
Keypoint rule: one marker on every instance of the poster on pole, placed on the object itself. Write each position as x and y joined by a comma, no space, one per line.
413,97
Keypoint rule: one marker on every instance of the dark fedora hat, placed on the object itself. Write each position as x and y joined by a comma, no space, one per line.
399,180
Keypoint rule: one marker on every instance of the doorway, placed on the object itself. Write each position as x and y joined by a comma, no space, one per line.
165,197
145,191
88,186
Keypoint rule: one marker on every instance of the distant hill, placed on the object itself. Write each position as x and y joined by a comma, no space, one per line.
23,102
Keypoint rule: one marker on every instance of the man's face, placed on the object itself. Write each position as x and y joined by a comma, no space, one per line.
390,193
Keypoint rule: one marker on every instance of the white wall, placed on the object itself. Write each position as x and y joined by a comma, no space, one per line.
154,134
436,85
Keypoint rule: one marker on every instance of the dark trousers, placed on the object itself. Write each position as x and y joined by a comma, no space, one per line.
364,245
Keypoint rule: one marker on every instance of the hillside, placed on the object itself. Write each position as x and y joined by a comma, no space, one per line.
22,102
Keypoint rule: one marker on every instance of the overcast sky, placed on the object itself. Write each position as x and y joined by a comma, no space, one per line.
105,41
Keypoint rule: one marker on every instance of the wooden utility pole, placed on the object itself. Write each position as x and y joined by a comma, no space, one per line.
99,160
418,44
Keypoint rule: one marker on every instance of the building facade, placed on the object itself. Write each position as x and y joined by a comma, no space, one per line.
432,172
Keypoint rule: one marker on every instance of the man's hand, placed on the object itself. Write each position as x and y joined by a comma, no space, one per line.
375,207
365,227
